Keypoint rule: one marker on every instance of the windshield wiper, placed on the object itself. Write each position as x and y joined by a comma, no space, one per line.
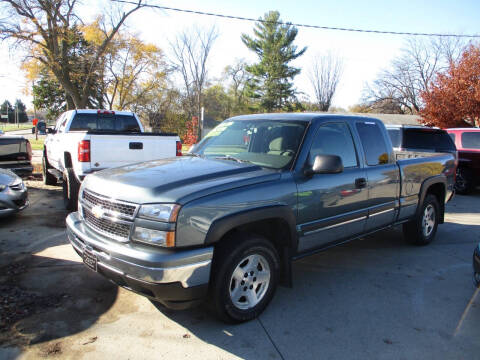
193,154
229,157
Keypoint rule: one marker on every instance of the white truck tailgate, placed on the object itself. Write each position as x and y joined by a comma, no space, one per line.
116,150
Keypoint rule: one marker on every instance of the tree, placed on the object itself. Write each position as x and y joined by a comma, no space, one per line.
191,50
272,77
133,69
324,76
453,98
49,30
398,88
21,111
7,109
48,95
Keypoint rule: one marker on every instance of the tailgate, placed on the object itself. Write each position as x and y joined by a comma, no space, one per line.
108,151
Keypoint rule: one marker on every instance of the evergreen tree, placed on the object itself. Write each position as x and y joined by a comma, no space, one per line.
272,77
6,108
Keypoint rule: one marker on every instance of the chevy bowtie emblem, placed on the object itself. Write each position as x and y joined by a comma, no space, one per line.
97,211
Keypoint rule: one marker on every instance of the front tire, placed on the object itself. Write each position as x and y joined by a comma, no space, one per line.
422,229
245,276
71,186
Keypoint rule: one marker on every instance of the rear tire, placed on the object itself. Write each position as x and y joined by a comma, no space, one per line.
71,186
464,181
48,179
245,275
421,230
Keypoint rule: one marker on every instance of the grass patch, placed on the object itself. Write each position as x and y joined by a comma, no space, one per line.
37,144
14,127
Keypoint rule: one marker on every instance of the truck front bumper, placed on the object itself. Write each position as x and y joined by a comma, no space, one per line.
175,278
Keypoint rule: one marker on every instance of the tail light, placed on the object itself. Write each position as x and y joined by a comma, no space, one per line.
29,150
179,148
84,151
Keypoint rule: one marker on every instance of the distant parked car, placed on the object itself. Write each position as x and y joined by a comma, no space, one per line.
42,128
467,141
16,154
411,141
13,193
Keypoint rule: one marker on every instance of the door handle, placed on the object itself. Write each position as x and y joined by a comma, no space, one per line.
360,183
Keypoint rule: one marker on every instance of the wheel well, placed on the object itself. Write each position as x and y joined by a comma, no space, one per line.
438,190
67,160
276,231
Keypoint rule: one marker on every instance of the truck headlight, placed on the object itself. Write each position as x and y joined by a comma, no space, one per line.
159,212
154,237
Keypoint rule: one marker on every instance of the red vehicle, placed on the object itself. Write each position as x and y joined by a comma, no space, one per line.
467,141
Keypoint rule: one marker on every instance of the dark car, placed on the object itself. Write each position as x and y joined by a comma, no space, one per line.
467,141
16,154
411,141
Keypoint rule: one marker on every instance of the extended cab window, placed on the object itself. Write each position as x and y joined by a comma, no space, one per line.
471,140
395,136
374,146
105,122
335,139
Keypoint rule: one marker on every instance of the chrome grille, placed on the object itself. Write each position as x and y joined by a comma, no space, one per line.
113,218
118,231
92,199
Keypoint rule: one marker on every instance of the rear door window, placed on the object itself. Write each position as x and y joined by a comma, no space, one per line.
428,139
373,142
105,122
471,140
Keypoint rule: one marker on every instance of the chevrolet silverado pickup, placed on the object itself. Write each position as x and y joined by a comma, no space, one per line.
257,193
85,141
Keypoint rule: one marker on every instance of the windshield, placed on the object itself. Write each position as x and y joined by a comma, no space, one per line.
266,143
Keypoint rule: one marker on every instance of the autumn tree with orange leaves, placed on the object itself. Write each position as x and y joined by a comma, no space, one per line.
453,99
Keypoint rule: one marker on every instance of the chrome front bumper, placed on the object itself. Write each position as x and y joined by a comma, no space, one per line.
146,264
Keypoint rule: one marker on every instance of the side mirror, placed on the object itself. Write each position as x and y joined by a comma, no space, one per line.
325,164
51,131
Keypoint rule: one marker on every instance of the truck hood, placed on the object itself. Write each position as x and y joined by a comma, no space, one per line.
175,180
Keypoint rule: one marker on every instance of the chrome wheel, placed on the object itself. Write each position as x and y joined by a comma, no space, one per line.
249,282
428,220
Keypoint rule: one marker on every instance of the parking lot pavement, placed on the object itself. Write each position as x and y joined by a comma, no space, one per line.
373,299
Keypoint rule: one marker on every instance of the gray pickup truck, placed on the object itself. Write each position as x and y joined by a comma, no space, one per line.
257,193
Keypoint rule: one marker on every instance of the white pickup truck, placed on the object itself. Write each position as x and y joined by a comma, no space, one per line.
85,141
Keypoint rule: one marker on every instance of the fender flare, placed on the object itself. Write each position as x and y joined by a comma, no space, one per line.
223,225
427,183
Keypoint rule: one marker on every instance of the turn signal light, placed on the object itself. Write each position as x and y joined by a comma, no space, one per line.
84,151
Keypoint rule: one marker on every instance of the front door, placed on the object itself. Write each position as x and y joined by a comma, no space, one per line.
332,206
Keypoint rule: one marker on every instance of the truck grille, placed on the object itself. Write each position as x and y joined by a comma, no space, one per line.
118,231
109,217
110,205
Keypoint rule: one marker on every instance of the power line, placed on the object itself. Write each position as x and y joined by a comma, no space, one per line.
196,12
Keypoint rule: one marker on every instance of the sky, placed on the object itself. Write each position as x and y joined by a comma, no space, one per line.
364,55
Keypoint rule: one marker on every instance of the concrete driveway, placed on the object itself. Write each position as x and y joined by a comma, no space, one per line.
373,299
